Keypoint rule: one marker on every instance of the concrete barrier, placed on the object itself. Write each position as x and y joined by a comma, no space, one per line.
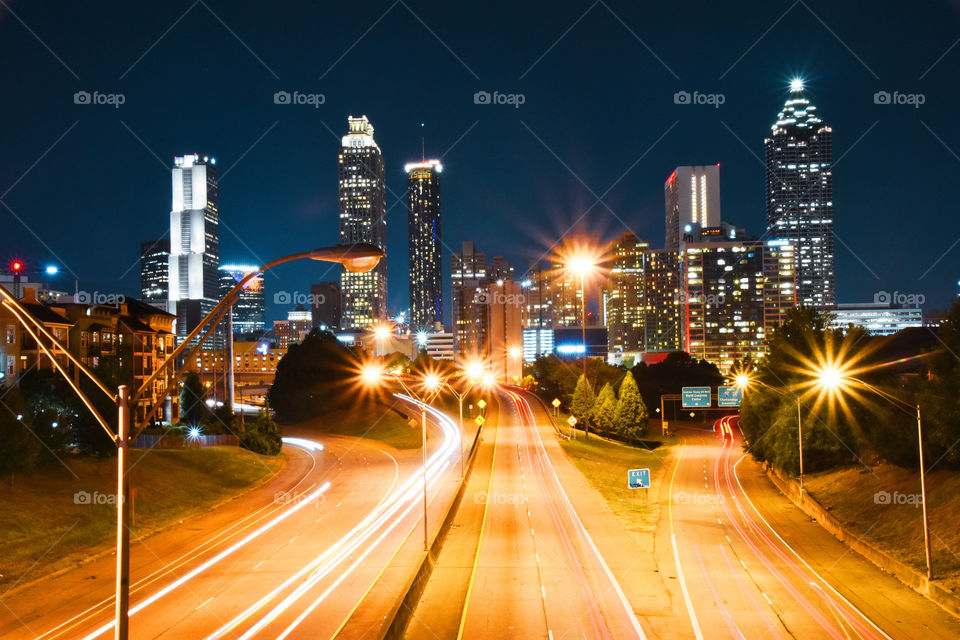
400,613
900,570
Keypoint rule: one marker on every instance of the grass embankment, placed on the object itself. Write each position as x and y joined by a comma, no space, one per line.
883,507
55,517
373,421
605,464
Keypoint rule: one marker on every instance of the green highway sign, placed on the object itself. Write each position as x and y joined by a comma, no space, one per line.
730,396
695,397
638,478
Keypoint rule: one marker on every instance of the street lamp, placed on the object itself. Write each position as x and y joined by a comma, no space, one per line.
833,380
582,265
430,386
473,372
359,257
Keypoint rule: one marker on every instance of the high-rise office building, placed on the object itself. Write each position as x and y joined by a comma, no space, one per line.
800,194
250,309
154,270
469,277
623,295
325,305
734,295
661,298
362,219
504,349
426,284
194,241
692,198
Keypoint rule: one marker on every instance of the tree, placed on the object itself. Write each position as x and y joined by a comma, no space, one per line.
193,407
631,415
262,435
605,409
20,450
582,400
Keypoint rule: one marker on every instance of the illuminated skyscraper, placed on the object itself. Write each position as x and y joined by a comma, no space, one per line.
692,198
362,219
194,241
426,285
800,195
662,297
250,310
154,270
623,296
470,275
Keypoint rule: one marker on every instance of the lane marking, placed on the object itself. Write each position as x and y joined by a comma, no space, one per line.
676,555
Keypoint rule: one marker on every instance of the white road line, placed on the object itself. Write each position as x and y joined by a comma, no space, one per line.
683,588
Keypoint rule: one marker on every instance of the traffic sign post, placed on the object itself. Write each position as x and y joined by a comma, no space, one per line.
479,420
638,478
556,407
729,396
572,421
695,397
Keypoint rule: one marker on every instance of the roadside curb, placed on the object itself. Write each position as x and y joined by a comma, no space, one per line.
397,619
903,572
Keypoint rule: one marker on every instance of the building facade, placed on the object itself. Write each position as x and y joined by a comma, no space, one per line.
362,219
424,226
250,309
662,284
691,198
799,186
623,302
325,305
155,269
734,295
880,319
470,276
194,241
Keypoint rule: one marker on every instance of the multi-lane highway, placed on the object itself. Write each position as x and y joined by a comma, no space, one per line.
750,565
295,567
537,572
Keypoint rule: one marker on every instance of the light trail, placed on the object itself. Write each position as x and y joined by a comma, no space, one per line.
383,517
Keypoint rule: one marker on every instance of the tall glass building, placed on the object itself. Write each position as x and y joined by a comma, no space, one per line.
194,283
154,268
800,195
362,219
426,284
250,309
623,302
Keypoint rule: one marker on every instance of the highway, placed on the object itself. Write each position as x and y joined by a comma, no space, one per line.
750,565
297,566
537,572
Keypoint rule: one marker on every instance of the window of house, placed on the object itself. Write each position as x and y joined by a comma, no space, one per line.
11,333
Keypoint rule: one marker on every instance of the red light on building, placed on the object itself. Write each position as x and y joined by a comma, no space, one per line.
16,266
671,178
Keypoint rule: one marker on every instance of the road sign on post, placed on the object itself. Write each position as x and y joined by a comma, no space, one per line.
482,404
695,397
729,396
556,403
572,420
479,420
638,478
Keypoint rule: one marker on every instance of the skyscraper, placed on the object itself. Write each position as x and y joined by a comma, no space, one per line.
362,219
661,296
691,198
154,270
194,241
325,305
800,195
623,298
250,309
426,284
470,275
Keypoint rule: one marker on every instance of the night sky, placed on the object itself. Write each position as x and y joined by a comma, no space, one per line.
83,185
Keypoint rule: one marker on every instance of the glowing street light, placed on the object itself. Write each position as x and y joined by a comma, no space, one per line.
582,264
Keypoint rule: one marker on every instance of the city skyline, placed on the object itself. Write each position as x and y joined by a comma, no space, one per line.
300,192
